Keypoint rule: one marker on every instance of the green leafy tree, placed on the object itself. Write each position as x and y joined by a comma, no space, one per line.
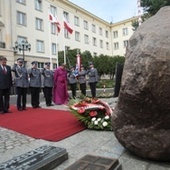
135,25
152,6
86,57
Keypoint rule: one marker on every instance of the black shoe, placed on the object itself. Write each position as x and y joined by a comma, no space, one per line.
48,105
24,108
7,111
20,109
34,107
2,112
38,106
51,105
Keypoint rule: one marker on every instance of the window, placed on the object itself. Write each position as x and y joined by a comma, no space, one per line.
54,49
94,54
21,1
93,28
53,28
100,31
20,39
39,24
125,31
116,46
107,45
125,43
76,21
115,34
107,34
86,25
21,18
40,46
94,41
66,34
66,16
38,5
101,43
86,39
77,36
53,10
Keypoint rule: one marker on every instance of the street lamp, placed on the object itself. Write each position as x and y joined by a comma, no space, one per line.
23,46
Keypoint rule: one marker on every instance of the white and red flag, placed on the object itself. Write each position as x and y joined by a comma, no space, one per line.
68,26
54,20
78,64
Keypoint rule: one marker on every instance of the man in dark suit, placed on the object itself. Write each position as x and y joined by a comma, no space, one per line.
5,85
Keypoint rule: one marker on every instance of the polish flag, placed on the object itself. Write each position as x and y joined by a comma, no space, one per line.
54,20
68,26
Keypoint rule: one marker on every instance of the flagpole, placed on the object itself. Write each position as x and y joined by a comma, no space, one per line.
64,46
50,40
57,44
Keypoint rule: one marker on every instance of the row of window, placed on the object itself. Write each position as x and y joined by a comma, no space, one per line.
124,33
116,44
86,26
38,4
40,45
21,18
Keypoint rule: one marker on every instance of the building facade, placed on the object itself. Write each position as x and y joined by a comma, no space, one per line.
23,20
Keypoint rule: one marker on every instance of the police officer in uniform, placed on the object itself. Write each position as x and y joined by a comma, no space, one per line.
48,83
93,79
21,83
72,79
82,80
35,84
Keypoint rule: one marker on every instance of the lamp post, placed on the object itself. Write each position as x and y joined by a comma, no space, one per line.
23,46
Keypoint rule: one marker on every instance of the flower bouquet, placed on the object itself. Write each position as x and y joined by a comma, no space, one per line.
94,113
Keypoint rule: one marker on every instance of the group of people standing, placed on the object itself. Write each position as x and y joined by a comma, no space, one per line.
55,83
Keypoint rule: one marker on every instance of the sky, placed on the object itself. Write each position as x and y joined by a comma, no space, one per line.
109,10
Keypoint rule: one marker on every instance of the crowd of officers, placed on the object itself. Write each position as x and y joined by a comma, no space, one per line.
35,78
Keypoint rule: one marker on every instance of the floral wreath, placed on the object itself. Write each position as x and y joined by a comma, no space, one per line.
94,113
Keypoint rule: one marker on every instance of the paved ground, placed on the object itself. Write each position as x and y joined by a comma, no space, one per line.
100,143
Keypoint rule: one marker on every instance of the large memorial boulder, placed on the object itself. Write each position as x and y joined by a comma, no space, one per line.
141,120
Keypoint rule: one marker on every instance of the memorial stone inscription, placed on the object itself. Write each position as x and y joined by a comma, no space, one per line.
42,158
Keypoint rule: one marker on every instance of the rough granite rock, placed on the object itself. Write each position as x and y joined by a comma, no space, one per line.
141,119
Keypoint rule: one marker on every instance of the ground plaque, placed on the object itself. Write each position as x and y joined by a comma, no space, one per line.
91,162
42,158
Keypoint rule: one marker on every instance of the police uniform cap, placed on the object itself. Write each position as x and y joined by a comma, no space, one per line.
20,59
90,63
47,63
34,62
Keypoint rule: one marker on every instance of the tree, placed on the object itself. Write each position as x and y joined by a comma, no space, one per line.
152,6
86,57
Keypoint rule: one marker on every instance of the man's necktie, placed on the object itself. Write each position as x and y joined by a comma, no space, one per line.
4,70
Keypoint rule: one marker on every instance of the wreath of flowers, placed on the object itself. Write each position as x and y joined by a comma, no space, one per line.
94,113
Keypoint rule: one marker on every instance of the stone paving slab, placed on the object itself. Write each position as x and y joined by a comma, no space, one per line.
95,163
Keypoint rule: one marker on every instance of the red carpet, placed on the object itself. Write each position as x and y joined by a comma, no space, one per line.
51,125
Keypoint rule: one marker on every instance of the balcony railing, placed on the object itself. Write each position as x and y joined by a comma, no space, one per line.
2,45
